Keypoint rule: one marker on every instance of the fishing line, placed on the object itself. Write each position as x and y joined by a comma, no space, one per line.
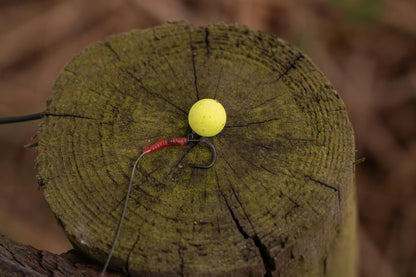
21,118
122,214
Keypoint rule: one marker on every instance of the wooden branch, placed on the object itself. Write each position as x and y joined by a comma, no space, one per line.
279,201
22,260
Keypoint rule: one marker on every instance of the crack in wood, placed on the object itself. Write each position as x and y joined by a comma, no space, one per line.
158,76
193,55
268,260
242,206
170,67
236,172
236,221
108,45
322,184
218,81
108,99
291,66
231,167
120,202
106,166
207,43
182,261
15,258
76,116
161,215
282,136
252,123
296,204
269,100
40,262
139,81
248,161
126,265
283,242
195,75
19,268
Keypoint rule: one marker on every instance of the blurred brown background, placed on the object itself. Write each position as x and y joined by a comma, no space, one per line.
367,48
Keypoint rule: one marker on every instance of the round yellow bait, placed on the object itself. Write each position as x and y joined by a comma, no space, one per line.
207,117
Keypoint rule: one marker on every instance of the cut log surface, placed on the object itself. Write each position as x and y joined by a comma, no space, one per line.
280,199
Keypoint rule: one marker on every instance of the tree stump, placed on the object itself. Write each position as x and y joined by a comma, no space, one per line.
280,199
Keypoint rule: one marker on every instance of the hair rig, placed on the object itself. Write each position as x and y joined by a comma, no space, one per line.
207,118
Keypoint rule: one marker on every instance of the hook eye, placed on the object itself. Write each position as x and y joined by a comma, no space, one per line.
203,140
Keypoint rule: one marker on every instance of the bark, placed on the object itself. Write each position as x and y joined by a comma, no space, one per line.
22,260
280,199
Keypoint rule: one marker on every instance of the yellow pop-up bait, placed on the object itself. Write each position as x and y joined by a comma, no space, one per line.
207,117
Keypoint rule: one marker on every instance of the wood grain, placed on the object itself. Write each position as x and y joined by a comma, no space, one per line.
279,201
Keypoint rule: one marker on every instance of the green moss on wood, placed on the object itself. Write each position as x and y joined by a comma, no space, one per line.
275,202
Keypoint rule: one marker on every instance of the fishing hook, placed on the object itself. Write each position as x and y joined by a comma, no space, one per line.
203,140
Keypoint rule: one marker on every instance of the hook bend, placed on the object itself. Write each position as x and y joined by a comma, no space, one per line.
204,140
